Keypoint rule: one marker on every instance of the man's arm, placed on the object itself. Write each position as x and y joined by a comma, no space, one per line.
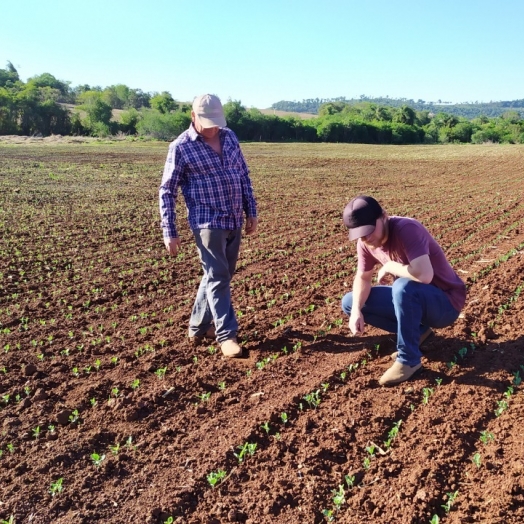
419,270
167,201
361,290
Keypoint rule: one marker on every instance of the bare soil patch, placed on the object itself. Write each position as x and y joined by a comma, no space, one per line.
99,387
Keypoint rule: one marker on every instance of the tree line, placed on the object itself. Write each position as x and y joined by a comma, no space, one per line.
467,110
45,105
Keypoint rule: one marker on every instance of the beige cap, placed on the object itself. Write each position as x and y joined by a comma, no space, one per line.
209,111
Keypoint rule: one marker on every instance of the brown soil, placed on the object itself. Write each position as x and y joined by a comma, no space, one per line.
92,311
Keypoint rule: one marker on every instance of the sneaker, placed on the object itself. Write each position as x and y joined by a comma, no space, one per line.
196,340
230,348
423,338
398,373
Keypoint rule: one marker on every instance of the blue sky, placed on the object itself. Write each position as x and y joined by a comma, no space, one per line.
260,52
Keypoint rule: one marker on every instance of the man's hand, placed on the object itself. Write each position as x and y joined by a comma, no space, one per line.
172,245
251,225
357,324
382,273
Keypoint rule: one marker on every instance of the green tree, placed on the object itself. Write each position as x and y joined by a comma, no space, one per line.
9,75
163,102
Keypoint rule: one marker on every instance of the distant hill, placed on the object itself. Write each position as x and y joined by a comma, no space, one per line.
468,110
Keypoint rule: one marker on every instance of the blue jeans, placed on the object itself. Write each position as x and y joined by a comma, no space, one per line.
407,308
218,251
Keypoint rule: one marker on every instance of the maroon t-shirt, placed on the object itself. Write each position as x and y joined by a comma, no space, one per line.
409,239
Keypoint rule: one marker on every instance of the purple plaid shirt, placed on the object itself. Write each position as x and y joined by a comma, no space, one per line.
217,190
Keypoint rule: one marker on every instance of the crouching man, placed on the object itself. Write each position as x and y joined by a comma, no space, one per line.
426,291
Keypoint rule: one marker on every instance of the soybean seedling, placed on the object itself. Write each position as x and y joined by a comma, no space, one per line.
313,398
486,436
393,432
161,372
115,449
56,487
426,393
204,397
222,386
350,480
215,478
476,460
74,417
36,432
283,417
265,427
339,497
97,459
451,498
245,448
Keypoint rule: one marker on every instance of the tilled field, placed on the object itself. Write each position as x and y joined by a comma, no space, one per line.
108,415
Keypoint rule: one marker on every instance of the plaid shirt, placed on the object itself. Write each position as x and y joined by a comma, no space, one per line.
217,190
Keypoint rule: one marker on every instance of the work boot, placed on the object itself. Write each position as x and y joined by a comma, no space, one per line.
423,337
230,348
196,340
398,373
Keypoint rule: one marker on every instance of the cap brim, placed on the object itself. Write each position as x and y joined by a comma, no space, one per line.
216,121
362,231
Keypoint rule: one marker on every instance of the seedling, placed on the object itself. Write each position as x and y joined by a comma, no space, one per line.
393,432
366,463
222,386
245,448
438,381
135,384
426,393
329,514
36,432
371,450
313,398
212,350
451,498
161,372
215,478
10,448
517,378
204,397
283,417
115,449
339,497
10,521
434,520
74,417
477,460
265,427
502,406
486,437
97,459
56,487
350,480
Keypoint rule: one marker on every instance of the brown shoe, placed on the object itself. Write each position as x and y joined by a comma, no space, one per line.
423,338
398,373
230,348
196,340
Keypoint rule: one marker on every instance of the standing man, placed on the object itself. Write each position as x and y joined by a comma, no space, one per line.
426,291
207,163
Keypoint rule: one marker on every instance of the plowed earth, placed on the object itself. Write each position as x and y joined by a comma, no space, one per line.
94,357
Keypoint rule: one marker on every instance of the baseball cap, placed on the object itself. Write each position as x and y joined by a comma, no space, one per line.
360,216
209,111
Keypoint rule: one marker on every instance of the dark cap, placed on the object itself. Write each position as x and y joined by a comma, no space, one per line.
360,216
